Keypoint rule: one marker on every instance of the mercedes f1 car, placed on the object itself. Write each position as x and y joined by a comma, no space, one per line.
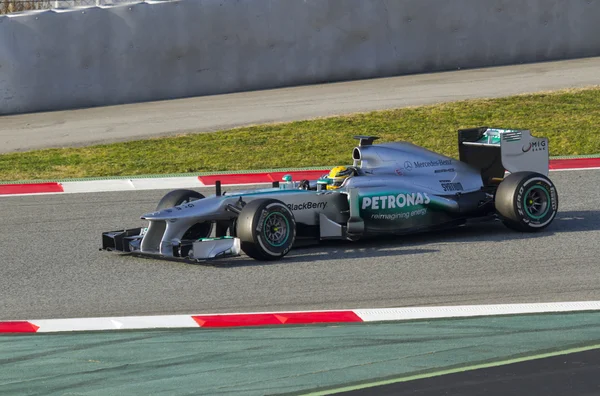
391,188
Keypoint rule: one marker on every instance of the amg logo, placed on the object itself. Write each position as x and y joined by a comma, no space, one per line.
307,206
427,164
395,201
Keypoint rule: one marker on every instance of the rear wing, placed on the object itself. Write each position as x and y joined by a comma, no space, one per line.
494,150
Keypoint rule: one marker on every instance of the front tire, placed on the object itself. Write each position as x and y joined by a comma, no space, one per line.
179,197
527,201
267,229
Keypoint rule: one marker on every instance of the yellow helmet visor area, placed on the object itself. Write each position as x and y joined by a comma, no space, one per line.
335,183
337,176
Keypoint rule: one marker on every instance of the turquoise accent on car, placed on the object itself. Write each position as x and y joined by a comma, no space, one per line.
215,239
287,229
490,137
525,197
494,135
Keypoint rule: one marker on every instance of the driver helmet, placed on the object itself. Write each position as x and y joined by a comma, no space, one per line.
337,176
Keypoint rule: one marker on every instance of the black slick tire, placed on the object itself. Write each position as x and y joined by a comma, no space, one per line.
179,197
267,229
526,201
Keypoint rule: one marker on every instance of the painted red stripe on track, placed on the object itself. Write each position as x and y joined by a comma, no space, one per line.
574,163
241,178
6,189
237,320
265,177
18,327
319,317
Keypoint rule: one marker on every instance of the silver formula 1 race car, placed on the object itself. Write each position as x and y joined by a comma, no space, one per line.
391,188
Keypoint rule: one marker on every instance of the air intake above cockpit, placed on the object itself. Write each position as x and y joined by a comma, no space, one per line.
365,140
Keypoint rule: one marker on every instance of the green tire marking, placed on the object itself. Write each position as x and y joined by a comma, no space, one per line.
538,187
287,224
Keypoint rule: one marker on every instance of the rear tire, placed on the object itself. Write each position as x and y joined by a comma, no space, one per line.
526,201
267,229
179,197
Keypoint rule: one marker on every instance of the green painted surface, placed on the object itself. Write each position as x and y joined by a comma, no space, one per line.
257,361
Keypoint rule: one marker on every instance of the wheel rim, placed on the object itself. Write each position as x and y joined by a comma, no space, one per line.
536,202
276,229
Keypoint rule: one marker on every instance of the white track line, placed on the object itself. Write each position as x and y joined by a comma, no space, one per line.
409,313
151,183
116,323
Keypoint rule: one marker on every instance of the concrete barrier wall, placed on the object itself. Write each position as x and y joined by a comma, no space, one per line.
101,56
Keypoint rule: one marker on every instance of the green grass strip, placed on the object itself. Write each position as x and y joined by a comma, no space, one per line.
195,174
569,118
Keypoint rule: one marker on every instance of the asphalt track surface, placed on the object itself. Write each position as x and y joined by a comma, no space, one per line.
210,113
51,266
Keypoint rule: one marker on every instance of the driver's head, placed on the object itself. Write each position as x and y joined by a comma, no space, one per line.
337,176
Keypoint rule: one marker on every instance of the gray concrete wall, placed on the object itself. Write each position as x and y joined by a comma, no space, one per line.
88,57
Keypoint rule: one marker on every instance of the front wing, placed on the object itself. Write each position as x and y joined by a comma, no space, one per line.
129,241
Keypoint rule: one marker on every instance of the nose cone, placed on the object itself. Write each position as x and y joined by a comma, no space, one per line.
204,208
158,215
166,214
